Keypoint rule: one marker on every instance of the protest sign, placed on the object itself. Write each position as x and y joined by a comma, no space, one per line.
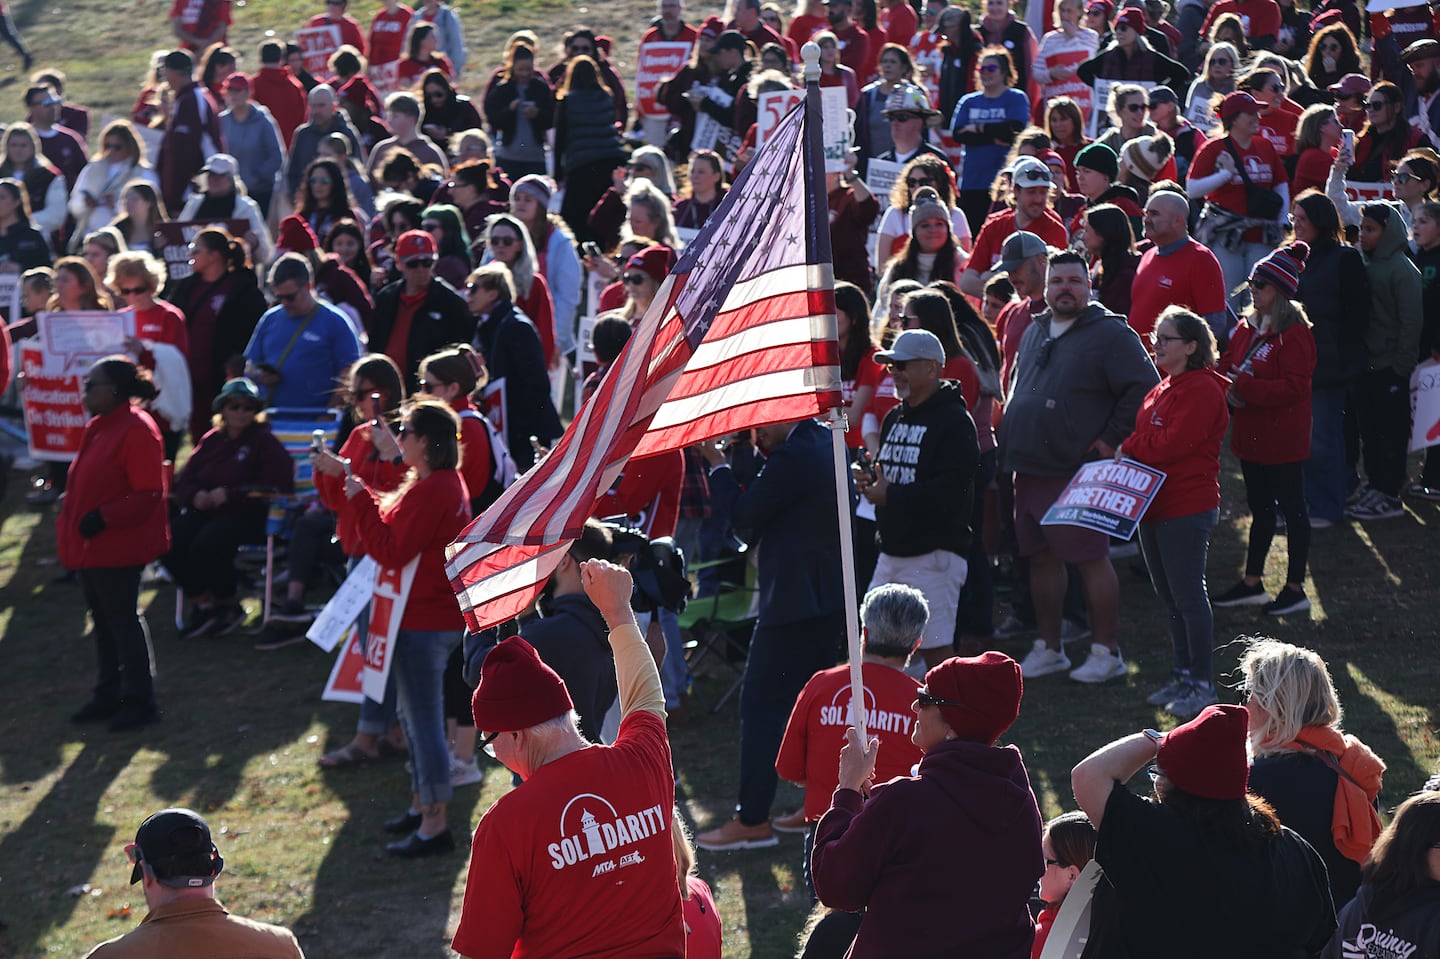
316,44
836,120
54,412
1072,924
385,78
771,108
1425,406
10,296
387,608
657,61
880,177
1098,119
493,405
344,683
1359,192
1108,497
172,241
72,342
334,622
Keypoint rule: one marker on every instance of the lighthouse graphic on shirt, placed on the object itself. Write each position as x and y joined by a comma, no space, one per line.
597,836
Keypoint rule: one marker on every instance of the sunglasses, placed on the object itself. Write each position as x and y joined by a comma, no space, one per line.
635,279
1053,862
915,182
431,227
487,744
1259,284
404,430
990,68
1334,47
132,290
1222,62
319,181
923,697
503,241
1399,178
902,117
1135,107
287,297
897,366
1374,105
1157,338
419,263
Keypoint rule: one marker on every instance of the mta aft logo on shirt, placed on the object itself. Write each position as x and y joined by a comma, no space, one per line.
597,836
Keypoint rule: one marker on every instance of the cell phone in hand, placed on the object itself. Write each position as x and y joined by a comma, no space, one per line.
863,460
317,442
591,249
375,407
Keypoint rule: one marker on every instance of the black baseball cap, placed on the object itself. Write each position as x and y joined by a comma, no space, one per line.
177,845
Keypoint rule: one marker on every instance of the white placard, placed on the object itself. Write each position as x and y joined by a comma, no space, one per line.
1425,406
334,622
1072,925
771,108
1099,120
837,122
880,177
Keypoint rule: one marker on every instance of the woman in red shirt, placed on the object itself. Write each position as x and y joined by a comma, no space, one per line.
1271,361
1178,430
135,278
413,526
112,523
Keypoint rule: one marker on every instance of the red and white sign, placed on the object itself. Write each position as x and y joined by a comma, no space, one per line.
344,684
657,61
316,44
771,109
1366,192
1425,406
1109,497
387,608
385,78
54,413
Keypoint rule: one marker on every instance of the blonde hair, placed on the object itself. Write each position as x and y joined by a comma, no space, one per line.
648,195
1292,685
136,263
684,851
496,276
522,271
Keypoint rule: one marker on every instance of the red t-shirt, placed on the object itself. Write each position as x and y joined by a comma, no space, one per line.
962,368
810,751
998,226
398,346
900,23
577,860
349,29
803,27
704,936
387,34
200,17
162,323
1262,163
1189,277
869,374
475,465
854,47
1260,18
1278,126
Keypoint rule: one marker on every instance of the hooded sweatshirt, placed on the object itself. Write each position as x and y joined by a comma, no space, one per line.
1178,430
929,454
1392,339
1272,374
1408,926
1072,390
956,847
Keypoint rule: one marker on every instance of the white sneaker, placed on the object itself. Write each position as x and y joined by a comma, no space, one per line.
464,773
1043,661
1101,666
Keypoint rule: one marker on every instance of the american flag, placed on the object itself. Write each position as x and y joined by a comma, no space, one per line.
740,334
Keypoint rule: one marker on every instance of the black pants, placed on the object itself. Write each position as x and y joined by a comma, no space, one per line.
9,34
311,542
122,640
203,544
1269,486
1382,408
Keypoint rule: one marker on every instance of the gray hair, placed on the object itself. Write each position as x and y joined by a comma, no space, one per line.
321,91
894,616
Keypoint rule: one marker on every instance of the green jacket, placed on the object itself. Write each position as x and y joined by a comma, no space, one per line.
1392,339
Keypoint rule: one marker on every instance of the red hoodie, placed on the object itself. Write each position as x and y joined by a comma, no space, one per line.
1179,429
422,522
1274,382
380,475
119,471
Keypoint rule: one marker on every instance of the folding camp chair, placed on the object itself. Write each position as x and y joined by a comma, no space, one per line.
295,429
720,624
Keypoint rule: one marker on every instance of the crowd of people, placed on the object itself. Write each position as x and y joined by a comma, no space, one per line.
1076,233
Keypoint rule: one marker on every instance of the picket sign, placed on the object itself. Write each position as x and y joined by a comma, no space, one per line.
350,600
387,608
657,61
1098,120
55,362
344,683
316,45
1072,924
1107,496
1425,406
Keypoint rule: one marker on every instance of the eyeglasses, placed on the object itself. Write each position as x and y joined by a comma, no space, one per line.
1400,176
429,385
487,744
132,290
1157,338
1330,46
902,117
503,240
923,697
419,263
635,279
1222,62
1121,26
1053,862
1258,284
916,182
113,145
404,430
1135,107
896,366
989,68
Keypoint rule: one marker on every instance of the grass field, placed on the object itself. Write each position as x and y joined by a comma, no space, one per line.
304,847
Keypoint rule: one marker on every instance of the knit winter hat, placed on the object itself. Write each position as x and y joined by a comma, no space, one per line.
536,185
926,203
296,235
517,690
1100,158
654,261
1132,17
983,694
1283,267
1206,756
1145,155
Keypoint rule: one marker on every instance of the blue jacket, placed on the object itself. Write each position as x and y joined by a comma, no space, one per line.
255,145
789,511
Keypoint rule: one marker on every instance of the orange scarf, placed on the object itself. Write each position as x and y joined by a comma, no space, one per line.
1355,824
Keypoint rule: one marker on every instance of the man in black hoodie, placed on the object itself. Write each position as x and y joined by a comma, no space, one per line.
921,489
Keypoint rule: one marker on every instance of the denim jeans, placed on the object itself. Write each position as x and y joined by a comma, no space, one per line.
419,674
1175,551
1326,473
1235,266
782,660
674,676
125,660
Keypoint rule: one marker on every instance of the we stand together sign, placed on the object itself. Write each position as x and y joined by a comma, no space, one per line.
1109,497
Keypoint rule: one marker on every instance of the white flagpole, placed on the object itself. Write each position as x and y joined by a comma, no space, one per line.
810,55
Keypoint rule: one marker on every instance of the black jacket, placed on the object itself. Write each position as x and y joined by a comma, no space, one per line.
500,103
571,637
1379,931
929,453
513,353
1335,291
24,246
242,305
441,320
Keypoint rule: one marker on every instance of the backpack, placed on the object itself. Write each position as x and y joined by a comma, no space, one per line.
502,464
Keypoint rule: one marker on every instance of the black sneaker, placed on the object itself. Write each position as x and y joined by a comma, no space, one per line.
1287,601
133,716
279,636
96,710
201,621
1242,595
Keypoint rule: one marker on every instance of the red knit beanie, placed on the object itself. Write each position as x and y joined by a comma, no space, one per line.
1206,756
517,690
987,689
654,261
296,235
1283,267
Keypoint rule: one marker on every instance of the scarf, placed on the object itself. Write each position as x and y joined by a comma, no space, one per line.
1355,825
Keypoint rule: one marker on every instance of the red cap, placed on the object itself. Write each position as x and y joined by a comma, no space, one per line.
1104,5
296,235
1237,103
655,261
1323,20
1351,85
987,688
712,27
1206,756
237,81
414,243
517,690
1132,17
